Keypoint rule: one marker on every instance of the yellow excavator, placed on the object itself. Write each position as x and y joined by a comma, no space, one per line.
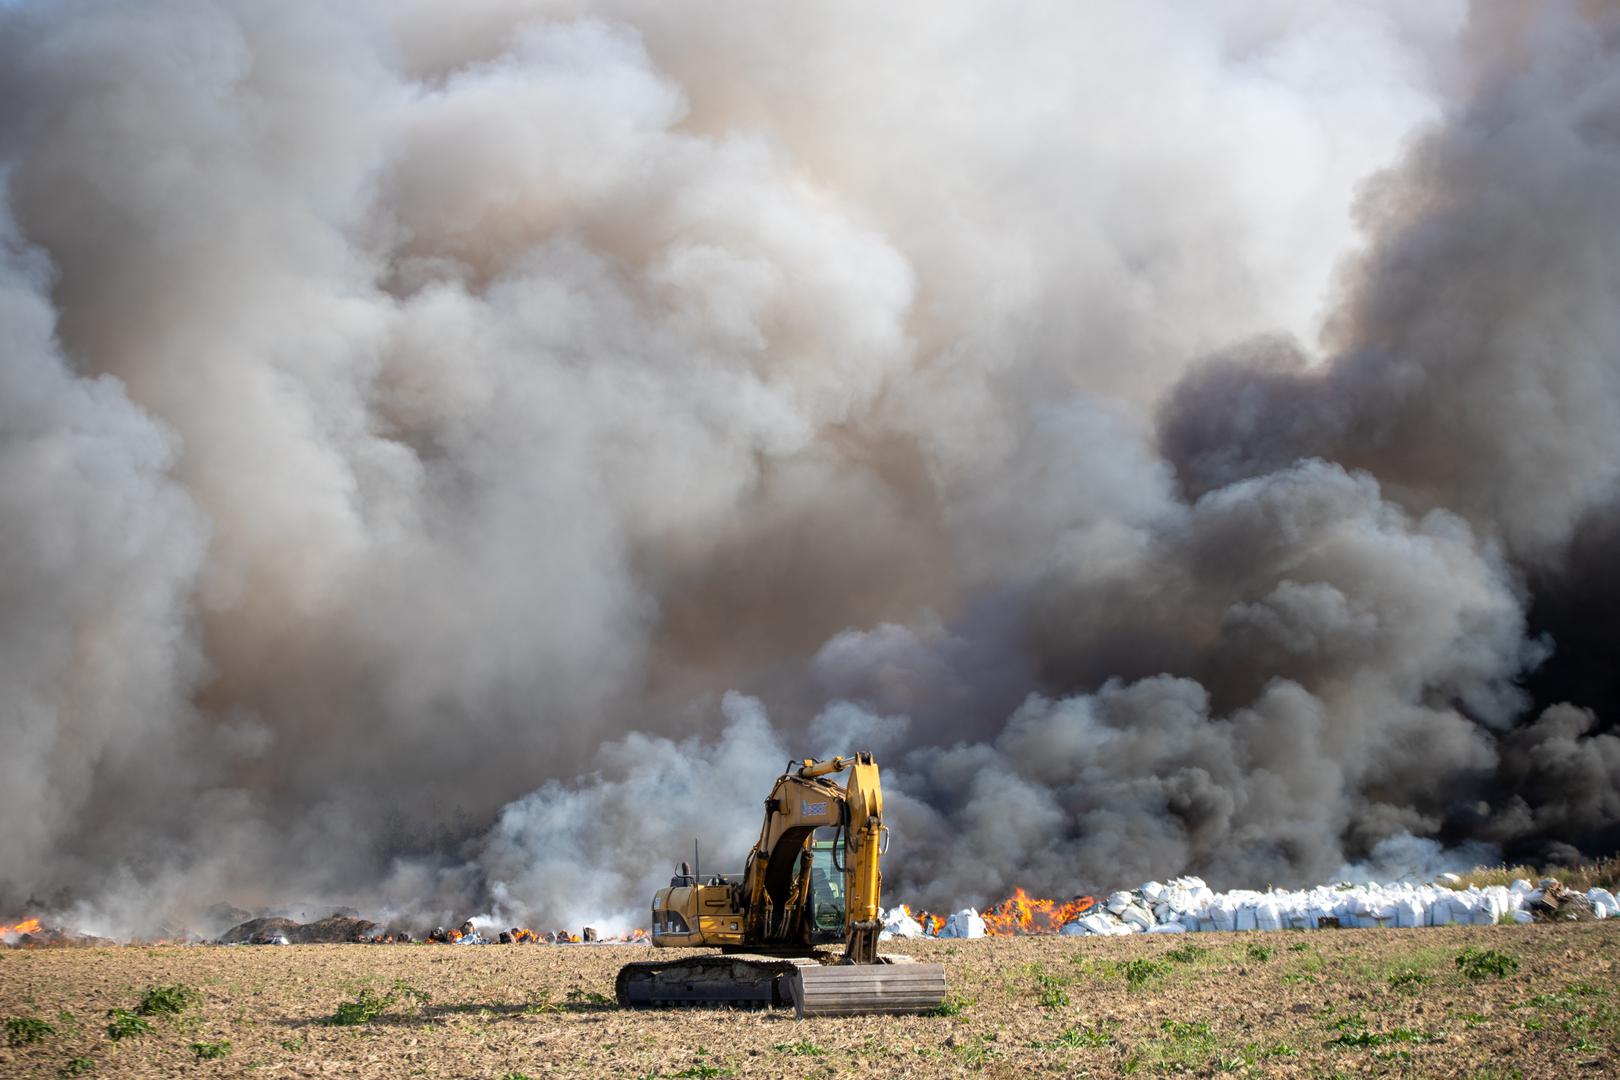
811,880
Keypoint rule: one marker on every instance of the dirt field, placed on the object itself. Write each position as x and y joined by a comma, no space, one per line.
1350,1002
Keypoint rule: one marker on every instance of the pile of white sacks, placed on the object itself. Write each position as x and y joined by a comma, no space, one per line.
1187,905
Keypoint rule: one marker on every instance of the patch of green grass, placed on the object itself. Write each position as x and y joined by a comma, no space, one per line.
1053,996
166,1000
1187,954
77,1066
1139,971
1486,964
368,1005
803,1048
701,1071
953,1005
1049,988
977,1052
208,1051
1407,980
1310,963
515,1075
1259,953
1183,1046
1075,1038
1279,1050
587,999
1348,1022
293,1044
123,1024
1360,1037
22,1030
541,1005
1474,1019
1583,1045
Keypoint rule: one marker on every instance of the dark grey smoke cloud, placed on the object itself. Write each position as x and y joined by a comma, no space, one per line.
449,461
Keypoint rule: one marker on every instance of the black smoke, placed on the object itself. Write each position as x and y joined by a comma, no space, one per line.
448,460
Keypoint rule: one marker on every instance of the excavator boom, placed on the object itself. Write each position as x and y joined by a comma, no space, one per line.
799,890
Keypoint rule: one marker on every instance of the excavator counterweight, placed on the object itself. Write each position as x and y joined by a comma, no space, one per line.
811,880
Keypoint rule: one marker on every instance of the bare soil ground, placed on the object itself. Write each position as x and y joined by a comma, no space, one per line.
1327,1003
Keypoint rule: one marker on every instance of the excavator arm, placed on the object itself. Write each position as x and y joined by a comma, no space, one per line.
864,839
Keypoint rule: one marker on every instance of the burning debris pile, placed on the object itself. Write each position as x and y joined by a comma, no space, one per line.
341,929
1020,913
34,934
1188,905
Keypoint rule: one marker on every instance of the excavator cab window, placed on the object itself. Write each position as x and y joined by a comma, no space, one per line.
826,890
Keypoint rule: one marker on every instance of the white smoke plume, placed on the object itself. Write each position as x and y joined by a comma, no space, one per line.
1174,438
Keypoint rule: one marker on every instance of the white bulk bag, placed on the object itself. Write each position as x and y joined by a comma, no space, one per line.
1098,923
1137,917
899,923
964,924
1410,912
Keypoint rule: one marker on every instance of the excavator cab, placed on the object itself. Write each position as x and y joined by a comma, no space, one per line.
827,891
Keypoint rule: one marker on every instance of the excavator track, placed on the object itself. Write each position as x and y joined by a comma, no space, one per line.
740,980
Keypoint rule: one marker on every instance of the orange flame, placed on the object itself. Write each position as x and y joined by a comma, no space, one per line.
931,924
27,926
1021,913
